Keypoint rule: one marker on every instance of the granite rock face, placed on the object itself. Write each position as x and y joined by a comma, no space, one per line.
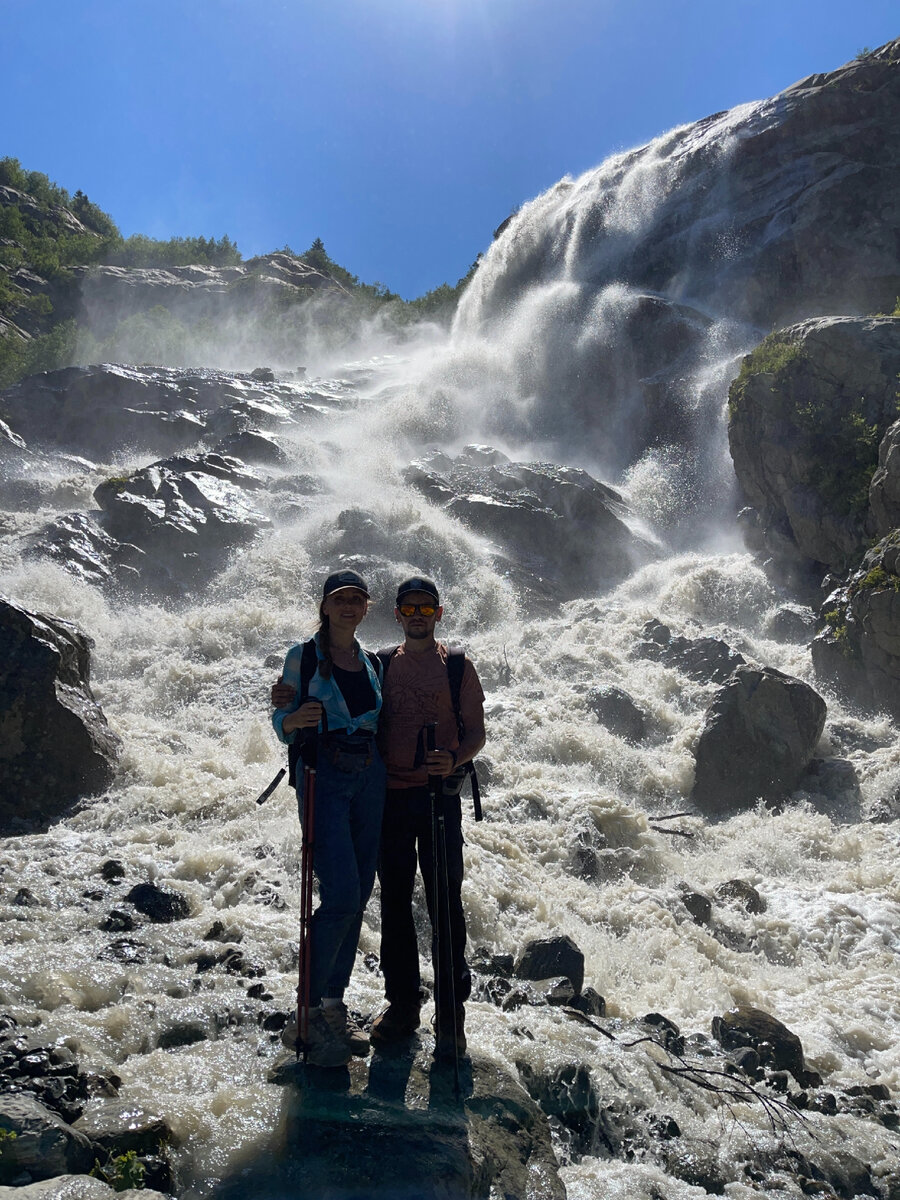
807,415
858,649
758,737
55,744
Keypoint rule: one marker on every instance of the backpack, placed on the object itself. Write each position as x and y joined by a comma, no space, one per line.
303,748
456,663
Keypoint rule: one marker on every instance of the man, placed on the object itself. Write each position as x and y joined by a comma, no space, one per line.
417,693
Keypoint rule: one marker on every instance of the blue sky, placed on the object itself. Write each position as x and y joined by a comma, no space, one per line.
401,132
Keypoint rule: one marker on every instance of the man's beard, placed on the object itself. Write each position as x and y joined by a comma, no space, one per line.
417,634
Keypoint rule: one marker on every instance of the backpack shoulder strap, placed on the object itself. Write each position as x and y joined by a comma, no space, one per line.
374,658
456,665
384,656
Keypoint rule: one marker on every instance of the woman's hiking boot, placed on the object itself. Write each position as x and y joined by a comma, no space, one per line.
446,1045
326,1046
343,1024
398,1021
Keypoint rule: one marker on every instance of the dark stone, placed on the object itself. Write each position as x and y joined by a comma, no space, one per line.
125,950
161,905
776,1046
568,1095
698,906
117,921
486,962
548,957
759,735
616,710
791,623
44,1146
738,891
185,1033
117,1127
112,870
25,898
55,744
706,659
590,1002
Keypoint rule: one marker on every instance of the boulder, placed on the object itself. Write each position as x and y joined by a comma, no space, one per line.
616,710
738,891
706,659
44,1145
78,1187
561,526
806,416
758,737
160,904
545,958
55,744
116,1127
395,1125
776,1046
858,649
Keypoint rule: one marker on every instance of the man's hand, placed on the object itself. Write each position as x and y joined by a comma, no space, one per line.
307,716
283,695
440,762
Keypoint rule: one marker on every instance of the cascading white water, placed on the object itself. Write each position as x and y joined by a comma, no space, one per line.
187,692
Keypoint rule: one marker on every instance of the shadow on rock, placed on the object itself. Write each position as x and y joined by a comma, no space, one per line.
398,1130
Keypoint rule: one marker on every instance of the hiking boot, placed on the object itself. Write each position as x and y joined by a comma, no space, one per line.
325,1047
445,1045
398,1021
344,1026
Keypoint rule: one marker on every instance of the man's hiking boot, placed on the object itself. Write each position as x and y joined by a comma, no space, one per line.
344,1026
398,1021
445,1045
326,1047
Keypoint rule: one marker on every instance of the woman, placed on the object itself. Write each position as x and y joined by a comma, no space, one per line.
343,700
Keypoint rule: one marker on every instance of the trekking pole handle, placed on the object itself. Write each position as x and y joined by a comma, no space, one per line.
263,796
431,743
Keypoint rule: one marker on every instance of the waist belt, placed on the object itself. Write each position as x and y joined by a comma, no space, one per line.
362,736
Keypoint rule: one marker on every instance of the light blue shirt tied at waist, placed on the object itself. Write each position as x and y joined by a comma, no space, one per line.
327,692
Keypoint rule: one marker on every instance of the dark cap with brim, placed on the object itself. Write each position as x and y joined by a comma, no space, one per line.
344,579
417,584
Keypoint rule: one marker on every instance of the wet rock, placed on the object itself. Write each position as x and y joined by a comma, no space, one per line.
117,921
126,950
77,542
486,962
185,513
184,1033
568,1095
791,623
25,898
698,905
758,736
666,1032
706,659
776,1046
590,1002
161,905
44,1145
372,1132
616,710
55,744
547,957
112,870
558,523
253,446
78,1187
858,650
117,1127
738,891
807,414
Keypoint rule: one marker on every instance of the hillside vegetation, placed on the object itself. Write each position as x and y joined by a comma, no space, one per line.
50,238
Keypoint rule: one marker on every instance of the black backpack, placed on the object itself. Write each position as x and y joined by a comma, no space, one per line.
456,663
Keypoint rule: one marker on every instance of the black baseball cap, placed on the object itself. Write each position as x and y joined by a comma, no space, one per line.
344,579
417,584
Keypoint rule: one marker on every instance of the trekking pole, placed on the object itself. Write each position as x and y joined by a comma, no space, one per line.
306,893
441,891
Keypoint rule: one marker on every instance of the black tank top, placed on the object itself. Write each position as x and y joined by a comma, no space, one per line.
357,690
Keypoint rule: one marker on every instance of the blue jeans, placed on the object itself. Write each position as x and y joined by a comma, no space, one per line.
347,831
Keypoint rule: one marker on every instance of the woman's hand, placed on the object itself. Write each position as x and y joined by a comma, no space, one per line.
307,716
